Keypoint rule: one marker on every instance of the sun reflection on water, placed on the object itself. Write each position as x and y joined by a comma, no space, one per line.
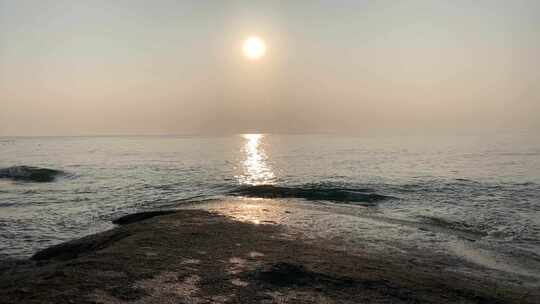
256,170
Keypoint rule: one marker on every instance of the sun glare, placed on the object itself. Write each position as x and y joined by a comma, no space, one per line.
257,171
254,48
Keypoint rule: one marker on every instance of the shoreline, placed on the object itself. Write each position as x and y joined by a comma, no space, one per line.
203,256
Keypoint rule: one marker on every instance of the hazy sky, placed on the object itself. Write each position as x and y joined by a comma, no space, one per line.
70,67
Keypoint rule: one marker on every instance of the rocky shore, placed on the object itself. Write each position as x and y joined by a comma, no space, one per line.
198,256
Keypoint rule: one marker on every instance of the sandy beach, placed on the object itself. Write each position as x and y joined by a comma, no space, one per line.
237,251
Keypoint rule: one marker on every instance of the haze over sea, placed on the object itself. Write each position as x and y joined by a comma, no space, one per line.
488,186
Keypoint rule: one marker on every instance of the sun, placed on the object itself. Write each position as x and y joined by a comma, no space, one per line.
254,48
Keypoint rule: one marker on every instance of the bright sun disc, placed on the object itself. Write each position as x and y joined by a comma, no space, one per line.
254,48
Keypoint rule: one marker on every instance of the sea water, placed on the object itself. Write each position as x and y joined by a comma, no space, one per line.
485,186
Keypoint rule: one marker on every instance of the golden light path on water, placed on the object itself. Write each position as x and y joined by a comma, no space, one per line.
256,170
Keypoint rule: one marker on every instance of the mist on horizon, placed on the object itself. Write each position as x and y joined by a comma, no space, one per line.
176,67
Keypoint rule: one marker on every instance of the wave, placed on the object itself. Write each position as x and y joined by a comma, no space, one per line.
309,193
460,228
30,174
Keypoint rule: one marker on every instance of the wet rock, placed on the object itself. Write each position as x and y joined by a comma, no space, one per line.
329,194
286,274
77,248
195,260
30,174
137,217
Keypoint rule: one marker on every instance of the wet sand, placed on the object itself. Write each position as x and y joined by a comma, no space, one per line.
241,251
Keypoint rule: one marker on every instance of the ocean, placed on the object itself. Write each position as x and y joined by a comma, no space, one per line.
485,186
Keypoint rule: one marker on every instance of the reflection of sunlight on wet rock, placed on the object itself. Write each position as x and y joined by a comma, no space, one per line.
293,296
239,283
167,287
220,299
358,229
190,262
256,211
256,169
236,265
255,254
251,206
168,283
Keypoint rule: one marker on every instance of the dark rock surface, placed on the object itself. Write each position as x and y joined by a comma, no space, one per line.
330,194
287,275
76,248
137,217
30,174
194,256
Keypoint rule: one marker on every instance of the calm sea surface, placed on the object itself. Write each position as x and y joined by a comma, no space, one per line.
488,185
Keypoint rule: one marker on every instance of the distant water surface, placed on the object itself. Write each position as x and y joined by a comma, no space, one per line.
489,185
